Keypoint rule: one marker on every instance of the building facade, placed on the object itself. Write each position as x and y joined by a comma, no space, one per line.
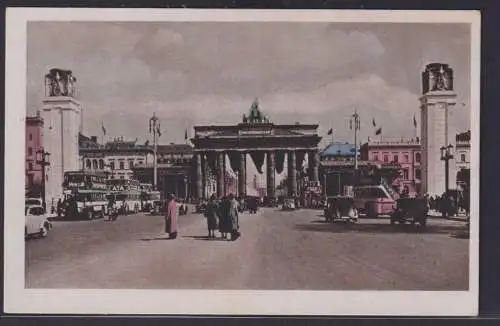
405,153
34,143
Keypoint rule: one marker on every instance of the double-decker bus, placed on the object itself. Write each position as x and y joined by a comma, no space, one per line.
125,194
149,197
85,195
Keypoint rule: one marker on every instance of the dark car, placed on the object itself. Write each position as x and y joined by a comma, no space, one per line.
341,209
411,210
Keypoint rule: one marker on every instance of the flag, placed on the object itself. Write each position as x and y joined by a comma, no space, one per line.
103,129
379,131
186,134
330,132
373,123
158,130
414,121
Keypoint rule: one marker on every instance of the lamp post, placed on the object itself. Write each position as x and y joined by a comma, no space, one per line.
42,160
154,127
186,188
446,156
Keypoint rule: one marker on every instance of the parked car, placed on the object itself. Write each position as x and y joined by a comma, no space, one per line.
411,210
36,222
342,209
288,204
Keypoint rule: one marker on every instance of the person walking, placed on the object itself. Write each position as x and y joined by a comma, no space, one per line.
171,223
224,217
234,218
212,216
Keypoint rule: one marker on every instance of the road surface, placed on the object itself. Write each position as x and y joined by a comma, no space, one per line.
278,250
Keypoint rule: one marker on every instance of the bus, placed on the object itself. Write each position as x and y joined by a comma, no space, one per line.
374,200
85,195
125,194
149,200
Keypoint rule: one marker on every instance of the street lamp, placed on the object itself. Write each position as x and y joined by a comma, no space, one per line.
355,124
43,161
446,156
186,188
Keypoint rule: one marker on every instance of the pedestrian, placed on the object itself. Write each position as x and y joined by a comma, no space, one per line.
212,216
59,208
225,226
234,218
171,225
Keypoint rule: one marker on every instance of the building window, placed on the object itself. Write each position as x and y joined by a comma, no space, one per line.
406,158
94,164
88,164
386,158
30,136
396,158
122,166
30,166
405,174
375,157
101,164
30,151
462,157
417,174
122,177
112,165
417,157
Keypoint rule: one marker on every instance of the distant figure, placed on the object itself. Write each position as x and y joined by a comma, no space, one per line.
59,208
171,223
234,218
212,215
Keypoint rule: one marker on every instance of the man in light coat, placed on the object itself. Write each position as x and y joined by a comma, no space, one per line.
171,222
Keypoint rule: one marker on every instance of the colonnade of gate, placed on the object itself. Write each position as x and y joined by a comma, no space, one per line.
216,159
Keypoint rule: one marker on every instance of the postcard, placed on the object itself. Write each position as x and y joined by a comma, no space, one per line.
230,162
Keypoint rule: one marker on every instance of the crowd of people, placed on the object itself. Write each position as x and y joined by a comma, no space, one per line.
221,215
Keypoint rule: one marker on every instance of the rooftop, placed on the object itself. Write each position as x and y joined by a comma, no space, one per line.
339,149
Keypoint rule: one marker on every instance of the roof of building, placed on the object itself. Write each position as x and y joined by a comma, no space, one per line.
339,149
175,149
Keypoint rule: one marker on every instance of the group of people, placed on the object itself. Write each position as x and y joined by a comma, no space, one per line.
450,205
222,215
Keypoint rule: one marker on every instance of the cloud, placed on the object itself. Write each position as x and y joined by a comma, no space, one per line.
205,73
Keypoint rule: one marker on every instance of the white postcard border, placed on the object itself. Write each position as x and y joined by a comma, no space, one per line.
21,300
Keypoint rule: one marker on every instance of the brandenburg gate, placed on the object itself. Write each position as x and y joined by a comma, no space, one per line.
258,138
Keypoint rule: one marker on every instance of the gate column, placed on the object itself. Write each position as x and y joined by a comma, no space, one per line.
292,173
314,166
220,174
199,177
271,166
242,175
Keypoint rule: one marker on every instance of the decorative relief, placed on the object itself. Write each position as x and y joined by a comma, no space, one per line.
59,82
437,77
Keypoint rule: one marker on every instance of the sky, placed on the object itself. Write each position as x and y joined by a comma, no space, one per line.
195,73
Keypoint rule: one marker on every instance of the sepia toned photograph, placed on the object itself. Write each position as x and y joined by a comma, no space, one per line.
261,157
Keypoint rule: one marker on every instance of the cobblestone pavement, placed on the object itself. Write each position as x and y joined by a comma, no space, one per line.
277,250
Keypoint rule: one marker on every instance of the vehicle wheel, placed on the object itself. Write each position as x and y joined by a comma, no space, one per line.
44,231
